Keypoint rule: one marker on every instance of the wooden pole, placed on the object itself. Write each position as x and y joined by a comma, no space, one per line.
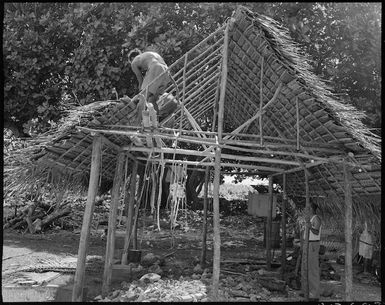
77,294
297,114
115,196
184,92
284,202
260,104
130,213
222,94
348,235
217,168
138,204
204,224
209,154
216,229
257,115
268,225
305,250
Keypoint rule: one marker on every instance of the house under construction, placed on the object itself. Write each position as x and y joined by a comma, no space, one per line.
247,101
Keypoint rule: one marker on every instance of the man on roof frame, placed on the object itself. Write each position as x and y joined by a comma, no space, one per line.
156,77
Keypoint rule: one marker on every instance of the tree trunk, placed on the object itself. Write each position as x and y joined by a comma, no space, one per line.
55,215
193,180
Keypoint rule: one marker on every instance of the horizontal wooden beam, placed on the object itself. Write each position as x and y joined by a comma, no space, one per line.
197,163
209,154
332,148
209,141
301,168
131,133
274,152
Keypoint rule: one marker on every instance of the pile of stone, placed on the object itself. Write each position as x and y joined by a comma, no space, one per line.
152,281
151,288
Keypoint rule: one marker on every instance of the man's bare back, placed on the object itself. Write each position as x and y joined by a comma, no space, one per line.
155,79
144,60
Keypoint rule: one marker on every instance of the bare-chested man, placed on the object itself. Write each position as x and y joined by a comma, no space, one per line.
153,65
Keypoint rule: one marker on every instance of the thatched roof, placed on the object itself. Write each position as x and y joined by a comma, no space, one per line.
260,55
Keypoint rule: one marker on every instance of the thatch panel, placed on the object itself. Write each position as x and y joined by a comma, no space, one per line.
287,53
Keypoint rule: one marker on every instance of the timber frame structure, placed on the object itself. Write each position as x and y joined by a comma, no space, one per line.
270,116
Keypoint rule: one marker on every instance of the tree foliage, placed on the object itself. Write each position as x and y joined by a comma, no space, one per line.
57,55
344,42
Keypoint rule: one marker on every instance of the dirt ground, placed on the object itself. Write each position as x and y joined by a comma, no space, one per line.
240,240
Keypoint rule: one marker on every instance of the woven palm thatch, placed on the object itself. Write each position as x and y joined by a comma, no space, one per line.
278,116
62,155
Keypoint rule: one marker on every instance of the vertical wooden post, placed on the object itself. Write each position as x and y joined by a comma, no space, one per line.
130,213
217,168
204,224
216,229
134,233
260,105
284,201
184,92
305,250
348,235
77,294
268,225
115,196
222,95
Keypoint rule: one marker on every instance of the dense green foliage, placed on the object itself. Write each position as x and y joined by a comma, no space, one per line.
57,55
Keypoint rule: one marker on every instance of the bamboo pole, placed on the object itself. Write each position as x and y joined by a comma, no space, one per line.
260,105
284,202
134,233
258,114
204,79
130,213
196,47
110,247
199,88
177,61
204,101
300,168
196,69
190,152
204,223
202,76
198,163
77,294
307,145
216,228
184,92
195,125
217,168
348,235
268,225
305,259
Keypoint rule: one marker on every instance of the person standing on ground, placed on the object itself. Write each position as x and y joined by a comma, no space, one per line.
156,78
366,247
313,255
